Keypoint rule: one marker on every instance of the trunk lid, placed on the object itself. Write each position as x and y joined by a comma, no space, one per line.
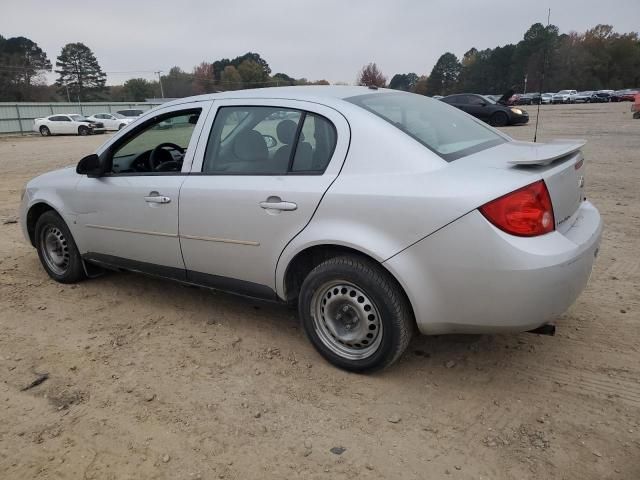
559,163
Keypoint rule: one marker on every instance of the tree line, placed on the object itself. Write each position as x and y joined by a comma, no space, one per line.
80,77
598,58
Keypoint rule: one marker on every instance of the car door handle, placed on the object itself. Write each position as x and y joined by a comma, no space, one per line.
155,197
276,204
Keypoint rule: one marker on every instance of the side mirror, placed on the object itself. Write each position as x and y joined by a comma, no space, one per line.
90,165
270,140
483,104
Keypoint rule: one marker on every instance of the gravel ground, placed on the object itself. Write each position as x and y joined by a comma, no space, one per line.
150,379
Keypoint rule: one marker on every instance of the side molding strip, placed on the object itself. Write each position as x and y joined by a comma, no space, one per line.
174,235
130,230
221,240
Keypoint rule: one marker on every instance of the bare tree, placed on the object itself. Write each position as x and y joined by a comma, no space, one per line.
370,75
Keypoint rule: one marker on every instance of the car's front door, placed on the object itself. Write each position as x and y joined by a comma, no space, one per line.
60,124
477,106
129,216
255,184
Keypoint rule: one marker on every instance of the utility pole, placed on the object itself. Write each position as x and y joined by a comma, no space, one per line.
68,96
160,82
525,82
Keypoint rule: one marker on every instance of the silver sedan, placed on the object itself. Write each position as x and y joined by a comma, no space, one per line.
377,212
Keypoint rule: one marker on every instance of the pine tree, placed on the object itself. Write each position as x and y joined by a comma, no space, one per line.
80,75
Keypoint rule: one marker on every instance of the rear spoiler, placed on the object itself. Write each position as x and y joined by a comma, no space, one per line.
547,153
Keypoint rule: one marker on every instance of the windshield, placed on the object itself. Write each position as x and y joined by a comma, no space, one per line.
78,118
489,99
564,91
443,129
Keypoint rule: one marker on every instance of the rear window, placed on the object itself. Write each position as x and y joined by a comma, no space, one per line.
445,130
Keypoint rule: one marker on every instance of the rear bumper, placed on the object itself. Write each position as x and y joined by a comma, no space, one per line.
470,277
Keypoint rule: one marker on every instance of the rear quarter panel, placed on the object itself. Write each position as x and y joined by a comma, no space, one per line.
392,192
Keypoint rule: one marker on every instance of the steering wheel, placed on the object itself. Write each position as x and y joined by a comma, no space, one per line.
159,155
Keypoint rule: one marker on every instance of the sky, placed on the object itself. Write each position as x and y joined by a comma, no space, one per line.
327,39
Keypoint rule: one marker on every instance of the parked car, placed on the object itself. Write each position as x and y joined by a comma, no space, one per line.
600,97
626,95
530,99
583,97
111,121
564,96
375,211
487,110
66,123
131,112
546,98
635,108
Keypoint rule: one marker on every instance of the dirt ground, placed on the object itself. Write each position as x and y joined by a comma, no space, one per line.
150,379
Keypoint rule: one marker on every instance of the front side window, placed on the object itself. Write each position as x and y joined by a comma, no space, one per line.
248,140
445,130
473,100
159,147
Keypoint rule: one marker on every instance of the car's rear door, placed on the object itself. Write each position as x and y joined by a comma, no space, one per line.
255,184
107,120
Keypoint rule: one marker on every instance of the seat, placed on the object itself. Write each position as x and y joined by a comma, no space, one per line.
250,146
286,132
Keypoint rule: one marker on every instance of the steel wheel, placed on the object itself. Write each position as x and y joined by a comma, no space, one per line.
346,320
55,249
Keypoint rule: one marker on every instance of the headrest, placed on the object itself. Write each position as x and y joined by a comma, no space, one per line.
286,131
250,146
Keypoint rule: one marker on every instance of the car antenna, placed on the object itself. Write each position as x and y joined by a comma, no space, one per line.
544,64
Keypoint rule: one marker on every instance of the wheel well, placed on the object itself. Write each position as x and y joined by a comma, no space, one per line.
306,260
32,217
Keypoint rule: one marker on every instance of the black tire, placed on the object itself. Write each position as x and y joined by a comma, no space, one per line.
44,131
83,131
51,226
499,119
380,293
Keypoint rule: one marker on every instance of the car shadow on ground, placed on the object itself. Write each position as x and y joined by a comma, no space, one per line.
271,323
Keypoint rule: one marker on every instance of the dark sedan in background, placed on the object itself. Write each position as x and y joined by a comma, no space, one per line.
487,110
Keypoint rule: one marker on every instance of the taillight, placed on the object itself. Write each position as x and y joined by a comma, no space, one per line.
526,212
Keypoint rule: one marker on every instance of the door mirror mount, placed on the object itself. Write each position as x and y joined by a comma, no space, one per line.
90,166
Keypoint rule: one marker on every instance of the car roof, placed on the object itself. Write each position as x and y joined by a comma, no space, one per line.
325,94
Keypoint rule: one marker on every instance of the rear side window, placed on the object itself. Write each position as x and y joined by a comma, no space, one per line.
443,129
253,140
315,145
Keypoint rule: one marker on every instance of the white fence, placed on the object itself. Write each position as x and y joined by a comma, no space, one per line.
18,117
